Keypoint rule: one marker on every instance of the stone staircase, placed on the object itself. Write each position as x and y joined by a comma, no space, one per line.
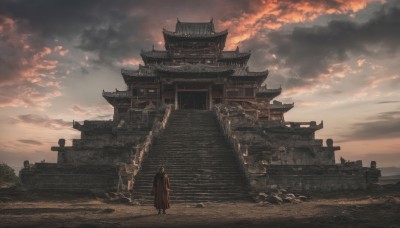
198,160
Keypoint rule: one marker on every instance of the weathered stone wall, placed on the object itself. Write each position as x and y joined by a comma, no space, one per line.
309,178
106,155
273,141
94,162
50,177
322,182
273,154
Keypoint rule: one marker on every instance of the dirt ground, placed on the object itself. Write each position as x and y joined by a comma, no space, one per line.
351,209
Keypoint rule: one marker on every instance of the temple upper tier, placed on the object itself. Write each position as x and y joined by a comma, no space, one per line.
194,71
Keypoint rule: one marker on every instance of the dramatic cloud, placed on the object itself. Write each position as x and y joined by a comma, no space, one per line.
380,126
28,74
30,141
272,15
311,54
42,121
57,55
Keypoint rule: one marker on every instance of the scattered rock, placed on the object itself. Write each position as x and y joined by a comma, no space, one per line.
200,205
262,196
274,199
296,201
302,198
291,195
287,199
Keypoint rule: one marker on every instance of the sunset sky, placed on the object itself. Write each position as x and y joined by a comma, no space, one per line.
338,61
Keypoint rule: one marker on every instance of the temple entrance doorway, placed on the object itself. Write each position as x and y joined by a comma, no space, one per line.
192,100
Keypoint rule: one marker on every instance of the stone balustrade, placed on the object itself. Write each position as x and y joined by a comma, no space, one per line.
130,170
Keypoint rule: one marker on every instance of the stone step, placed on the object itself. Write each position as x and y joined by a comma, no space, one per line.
198,159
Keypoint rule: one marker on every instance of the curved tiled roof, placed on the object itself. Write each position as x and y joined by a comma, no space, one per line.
194,68
225,55
195,35
268,93
194,28
244,71
276,105
234,55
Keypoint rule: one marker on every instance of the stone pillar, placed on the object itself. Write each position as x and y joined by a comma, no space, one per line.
210,102
176,97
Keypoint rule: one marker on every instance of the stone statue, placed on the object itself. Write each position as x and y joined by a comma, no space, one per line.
61,143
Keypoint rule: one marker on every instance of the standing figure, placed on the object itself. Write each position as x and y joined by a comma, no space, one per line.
161,190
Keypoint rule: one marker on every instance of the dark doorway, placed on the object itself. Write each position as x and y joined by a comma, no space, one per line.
192,100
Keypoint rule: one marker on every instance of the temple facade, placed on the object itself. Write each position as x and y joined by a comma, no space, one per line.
197,110
195,72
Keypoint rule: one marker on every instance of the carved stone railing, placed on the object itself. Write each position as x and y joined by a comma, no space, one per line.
140,151
240,150
117,93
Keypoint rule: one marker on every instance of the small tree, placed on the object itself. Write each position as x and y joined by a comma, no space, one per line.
7,174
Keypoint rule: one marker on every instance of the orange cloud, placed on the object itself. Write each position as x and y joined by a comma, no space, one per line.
273,14
28,73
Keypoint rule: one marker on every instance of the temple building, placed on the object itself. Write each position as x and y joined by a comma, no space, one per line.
200,112
194,72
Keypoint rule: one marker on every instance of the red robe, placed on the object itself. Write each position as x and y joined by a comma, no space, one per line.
161,191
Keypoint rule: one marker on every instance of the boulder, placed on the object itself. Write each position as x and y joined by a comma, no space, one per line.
262,196
302,198
274,199
291,195
200,205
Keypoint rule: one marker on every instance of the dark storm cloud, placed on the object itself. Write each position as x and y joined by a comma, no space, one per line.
381,126
42,121
30,141
112,29
309,51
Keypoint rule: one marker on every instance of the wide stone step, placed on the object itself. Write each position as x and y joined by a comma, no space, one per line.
198,159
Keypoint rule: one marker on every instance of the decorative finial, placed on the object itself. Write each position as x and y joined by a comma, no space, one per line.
177,20
237,48
212,19
152,47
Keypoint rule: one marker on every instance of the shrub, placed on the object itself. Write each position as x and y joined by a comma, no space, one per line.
7,174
